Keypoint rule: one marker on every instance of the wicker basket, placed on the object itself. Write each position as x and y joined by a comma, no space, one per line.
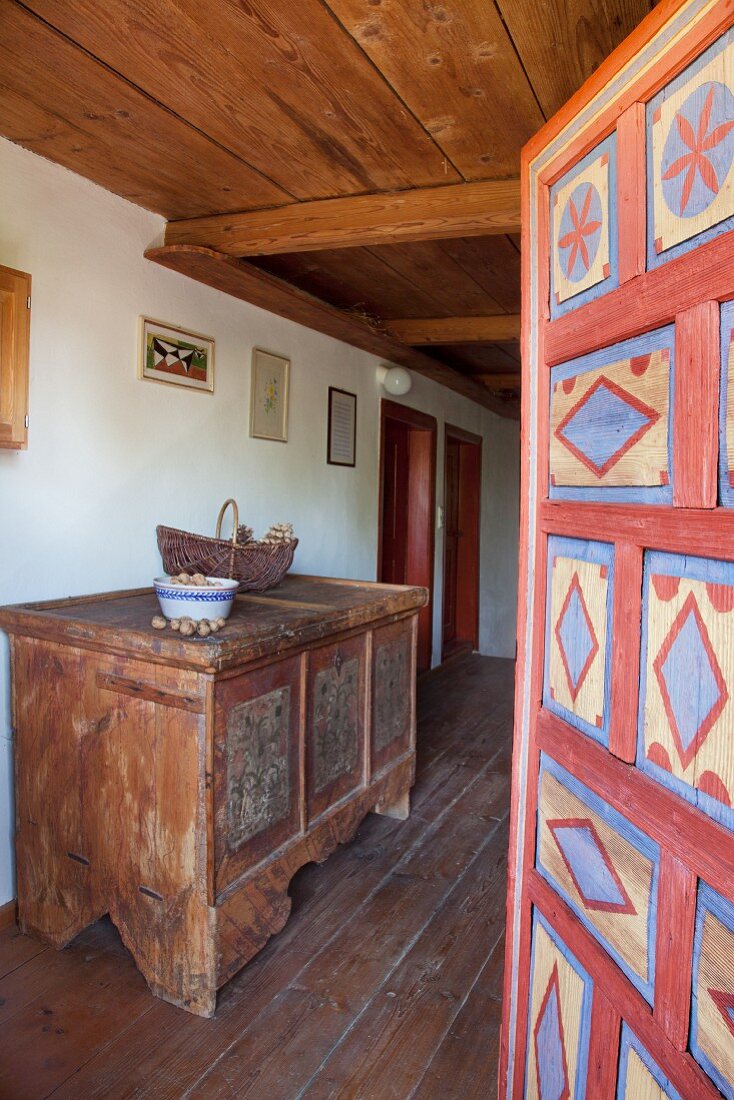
256,565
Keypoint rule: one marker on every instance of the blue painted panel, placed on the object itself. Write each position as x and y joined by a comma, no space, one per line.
630,1042
599,883
608,146
709,901
658,340
549,1073
683,668
675,153
600,553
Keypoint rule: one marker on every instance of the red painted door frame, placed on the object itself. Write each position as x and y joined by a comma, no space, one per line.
422,431
461,540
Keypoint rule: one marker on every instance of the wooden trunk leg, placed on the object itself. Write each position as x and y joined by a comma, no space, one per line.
398,808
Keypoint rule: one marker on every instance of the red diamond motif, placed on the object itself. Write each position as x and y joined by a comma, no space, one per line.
575,688
688,752
724,1001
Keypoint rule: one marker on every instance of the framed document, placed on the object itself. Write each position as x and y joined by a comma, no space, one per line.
342,432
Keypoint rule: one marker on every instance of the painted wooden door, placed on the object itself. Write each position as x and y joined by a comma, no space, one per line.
620,940
452,458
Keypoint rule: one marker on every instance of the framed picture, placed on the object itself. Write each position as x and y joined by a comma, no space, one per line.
342,433
175,355
269,397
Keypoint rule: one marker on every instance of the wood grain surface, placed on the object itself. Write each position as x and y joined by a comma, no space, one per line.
376,919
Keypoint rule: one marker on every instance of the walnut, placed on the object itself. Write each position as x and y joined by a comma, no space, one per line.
158,622
186,627
175,624
203,629
221,622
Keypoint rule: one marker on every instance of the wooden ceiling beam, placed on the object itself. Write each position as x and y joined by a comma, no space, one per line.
423,213
455,330
242,280
498,382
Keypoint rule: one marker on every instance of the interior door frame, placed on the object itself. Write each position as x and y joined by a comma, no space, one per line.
422,503
473,440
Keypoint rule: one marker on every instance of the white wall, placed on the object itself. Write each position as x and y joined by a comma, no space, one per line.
109,456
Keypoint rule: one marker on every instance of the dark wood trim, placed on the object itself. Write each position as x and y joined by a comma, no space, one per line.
9,914
418,421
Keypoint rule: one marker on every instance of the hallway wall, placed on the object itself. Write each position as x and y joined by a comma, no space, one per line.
110,456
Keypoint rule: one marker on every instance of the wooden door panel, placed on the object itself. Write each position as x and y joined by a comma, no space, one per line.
623,780
712,1019
578,634
688,208
584,239
687,679
560,1015
640,1077
610,419
604,867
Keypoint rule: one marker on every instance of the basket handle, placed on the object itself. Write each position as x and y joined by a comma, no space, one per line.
220,517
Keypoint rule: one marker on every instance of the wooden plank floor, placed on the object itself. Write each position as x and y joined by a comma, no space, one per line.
385,983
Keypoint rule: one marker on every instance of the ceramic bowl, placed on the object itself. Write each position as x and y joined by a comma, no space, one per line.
178,600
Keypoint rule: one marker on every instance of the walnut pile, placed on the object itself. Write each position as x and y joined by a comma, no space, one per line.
279,532
187,627
197,580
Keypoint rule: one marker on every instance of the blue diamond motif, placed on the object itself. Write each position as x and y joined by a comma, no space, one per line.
603,425
690,681
590,869
575,638
549,1051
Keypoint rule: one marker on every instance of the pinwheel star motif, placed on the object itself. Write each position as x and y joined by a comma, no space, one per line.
574,239
699,143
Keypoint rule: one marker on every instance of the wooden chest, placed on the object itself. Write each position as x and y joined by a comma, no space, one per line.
178,784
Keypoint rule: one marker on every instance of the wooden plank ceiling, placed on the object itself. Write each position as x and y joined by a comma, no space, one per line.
197,108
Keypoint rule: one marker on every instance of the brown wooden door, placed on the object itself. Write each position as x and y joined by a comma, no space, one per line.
620,959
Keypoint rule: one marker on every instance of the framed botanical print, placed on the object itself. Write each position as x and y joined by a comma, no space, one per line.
175,356
269,396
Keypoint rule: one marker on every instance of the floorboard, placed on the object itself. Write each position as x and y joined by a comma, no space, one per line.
384,985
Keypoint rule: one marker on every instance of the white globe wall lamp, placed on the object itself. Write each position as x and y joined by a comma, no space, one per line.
396,381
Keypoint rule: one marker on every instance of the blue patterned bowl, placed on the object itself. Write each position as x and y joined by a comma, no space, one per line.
178,600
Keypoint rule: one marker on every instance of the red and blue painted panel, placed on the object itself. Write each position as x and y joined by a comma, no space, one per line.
583,226
611,417
690,152
578,633
640,1077
686,680
712,1004
604,867
726,408
559,1019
